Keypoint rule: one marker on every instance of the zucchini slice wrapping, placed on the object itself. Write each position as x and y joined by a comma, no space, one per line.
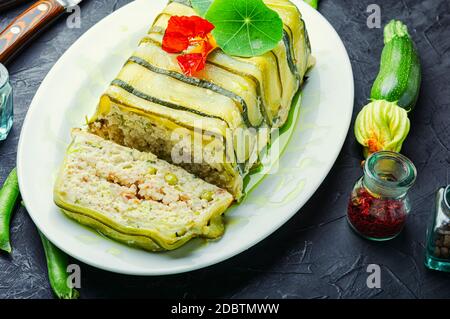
220,114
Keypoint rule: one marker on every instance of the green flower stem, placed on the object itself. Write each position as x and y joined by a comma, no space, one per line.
8,197
57,263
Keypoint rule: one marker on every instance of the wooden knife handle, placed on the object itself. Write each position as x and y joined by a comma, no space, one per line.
22,29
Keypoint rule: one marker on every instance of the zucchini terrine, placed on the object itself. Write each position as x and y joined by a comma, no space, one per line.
221,119
134,197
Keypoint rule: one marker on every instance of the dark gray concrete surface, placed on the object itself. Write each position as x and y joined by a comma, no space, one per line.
315,255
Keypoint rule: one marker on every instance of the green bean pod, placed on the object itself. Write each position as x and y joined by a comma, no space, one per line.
8,197
57,262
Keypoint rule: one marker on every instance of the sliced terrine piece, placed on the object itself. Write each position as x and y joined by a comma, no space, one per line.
136,198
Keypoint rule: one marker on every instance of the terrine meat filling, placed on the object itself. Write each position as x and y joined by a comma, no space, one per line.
136,190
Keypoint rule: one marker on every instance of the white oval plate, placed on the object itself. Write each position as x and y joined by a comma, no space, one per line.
71,91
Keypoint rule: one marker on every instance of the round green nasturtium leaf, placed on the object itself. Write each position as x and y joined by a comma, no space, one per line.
201,6
245,28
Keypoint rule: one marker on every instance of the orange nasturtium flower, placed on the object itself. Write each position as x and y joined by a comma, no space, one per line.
192,37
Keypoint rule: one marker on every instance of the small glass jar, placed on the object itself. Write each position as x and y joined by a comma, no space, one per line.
6,103
437,254
379,202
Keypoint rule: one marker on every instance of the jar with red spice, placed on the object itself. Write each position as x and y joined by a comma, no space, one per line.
379,203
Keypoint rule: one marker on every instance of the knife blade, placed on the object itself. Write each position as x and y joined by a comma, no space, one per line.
28,24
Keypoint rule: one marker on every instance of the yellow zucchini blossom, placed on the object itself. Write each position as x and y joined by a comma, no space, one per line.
381,125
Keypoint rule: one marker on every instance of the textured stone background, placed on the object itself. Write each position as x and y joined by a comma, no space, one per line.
315,255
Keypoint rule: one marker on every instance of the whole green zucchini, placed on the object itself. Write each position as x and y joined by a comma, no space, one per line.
400,72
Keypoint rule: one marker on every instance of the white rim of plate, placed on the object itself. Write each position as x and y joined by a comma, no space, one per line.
213,261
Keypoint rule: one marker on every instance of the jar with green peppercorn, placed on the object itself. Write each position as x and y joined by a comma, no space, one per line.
438,236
